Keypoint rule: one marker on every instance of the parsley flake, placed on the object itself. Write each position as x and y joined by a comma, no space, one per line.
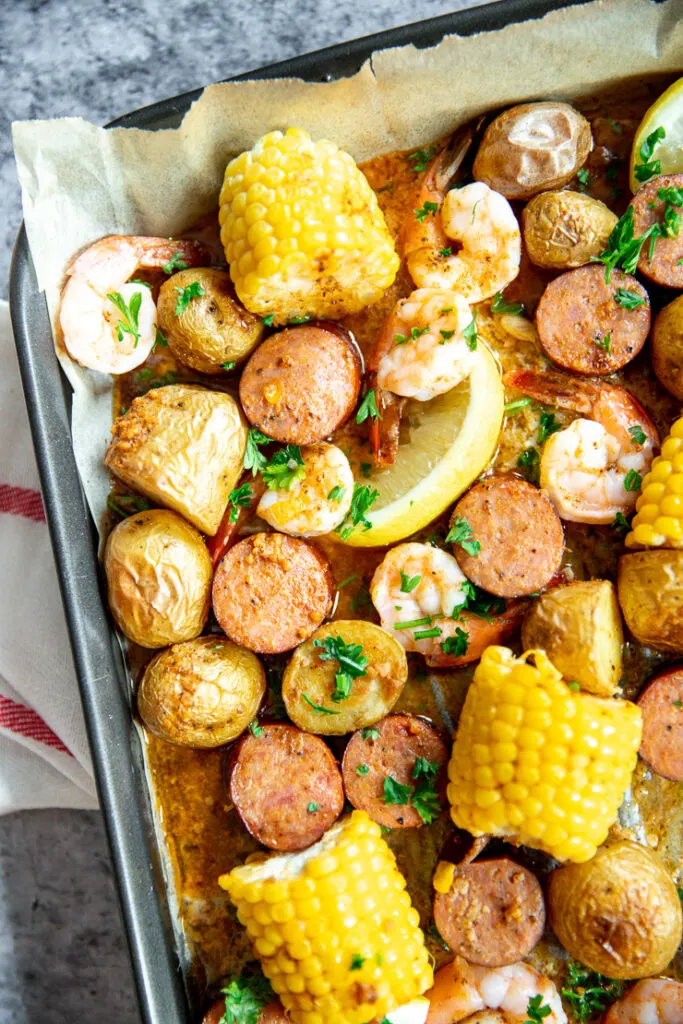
408,583
461,533
395,792
419,159
425,800
628,299
456,645
621,523
239,498
499,305
267,321
160,340
352,663
185,296
363,498
649,167
368,407
230,365
253,459
632,481
446,252
357,962
255,729
423,767
286,466
529,462
446,336
426,210
313,807
587,992
623,248
470,332
362,770
128,324
605,343
637,433
583,178
336,494
319,708
548,425
245,998
370,734
537,1010
176,262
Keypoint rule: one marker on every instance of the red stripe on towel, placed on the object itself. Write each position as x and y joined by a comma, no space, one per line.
25,722
20,501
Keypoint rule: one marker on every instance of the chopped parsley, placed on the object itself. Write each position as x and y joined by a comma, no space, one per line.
456,645
230,365
267,321
461,533
313,807
637,433
253,459
537,1010
414,623
548,425
319,708
649,168
499,305
296,320
128,324
352,663
245,998
366,469
415,332
408,583
125,505
239,498
529,462
574,686
286,466
480,603
370,734
361,599
446,252
424,211
587,992
621,523
363,498
520,403
425,634
426,768
583,178
605,343
336,494
176,262
623,248
185,296
395,792
419,158
678,704
470,332
423,797
446,336
425,800
349,579
357,962
368,407
362,770
160,340
628,299
632,481
255,729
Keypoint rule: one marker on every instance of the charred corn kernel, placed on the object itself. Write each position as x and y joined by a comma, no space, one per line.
567,766
302,230
658,522
357,952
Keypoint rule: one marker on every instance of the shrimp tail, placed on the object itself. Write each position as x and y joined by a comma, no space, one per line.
444,168
385,431
559,389
228,532
482,634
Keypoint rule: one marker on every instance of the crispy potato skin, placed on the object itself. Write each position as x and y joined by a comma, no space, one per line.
565,229
667,347
618,913
372,695
215,328
202,693
579,628
650,588
158,574
182,447
513,162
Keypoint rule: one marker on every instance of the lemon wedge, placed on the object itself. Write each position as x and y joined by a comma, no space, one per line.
666,113
450,440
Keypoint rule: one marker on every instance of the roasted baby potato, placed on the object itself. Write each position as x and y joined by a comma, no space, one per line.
667,347
182,447
203,693
579,628
158,578
565,229
619,913
309,679
214,329
532,148
650,588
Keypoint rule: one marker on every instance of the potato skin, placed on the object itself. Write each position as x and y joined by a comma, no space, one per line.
511,160
202,693
565,229
650,589
182,447
618,913
667,347
579,628
215,328
372,695
158,574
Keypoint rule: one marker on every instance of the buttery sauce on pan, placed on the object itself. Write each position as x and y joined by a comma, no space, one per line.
203,834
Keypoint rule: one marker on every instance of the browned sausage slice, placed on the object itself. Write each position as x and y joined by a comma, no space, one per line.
664,266
271,592
367,762
273,1013
662,705
302,383
286,786
583,328
519,533
493,914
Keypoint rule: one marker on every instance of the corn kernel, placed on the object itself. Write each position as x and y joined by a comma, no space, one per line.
658,521
562,783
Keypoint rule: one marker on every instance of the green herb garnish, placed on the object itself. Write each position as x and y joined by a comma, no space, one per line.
499,305
587,992
605,343
456,645
621,523
628,299
352,663
319,708
363,498
368,407
128,324
419,158
362,770
529,462
637,433
255,729
245,998
470,332
336,494
461,533
548,425
425,210
286,466
370,734
185,296
253,459
649,168
176,262
395,792
632,481
239,498
408,583
313,807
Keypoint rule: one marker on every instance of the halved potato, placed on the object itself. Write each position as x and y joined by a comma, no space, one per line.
650,588
182,446
579,628
309,680
203,693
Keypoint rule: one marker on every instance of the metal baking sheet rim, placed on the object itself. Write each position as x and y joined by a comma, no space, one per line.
117,749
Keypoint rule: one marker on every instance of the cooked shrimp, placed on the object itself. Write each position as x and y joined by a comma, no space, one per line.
114,336
422,350
466,239
461,991
592,469
319,496
654,1001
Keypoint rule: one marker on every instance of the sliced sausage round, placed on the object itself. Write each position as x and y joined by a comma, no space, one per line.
302,383
493,914
271,591
582,325
286,786
519,535
273,1013
664,267
391,751
661,703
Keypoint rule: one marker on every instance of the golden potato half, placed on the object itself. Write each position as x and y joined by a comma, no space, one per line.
203,693
650,588
579,628
182,446
618,913
214,329
158,578
667,347
565,229
309,680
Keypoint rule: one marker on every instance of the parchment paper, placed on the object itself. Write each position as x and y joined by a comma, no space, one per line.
80,182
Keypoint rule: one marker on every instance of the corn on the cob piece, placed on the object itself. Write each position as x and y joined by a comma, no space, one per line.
333,927
658,522
302,230
540,763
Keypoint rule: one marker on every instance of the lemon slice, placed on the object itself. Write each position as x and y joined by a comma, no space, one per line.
666,113
450,440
